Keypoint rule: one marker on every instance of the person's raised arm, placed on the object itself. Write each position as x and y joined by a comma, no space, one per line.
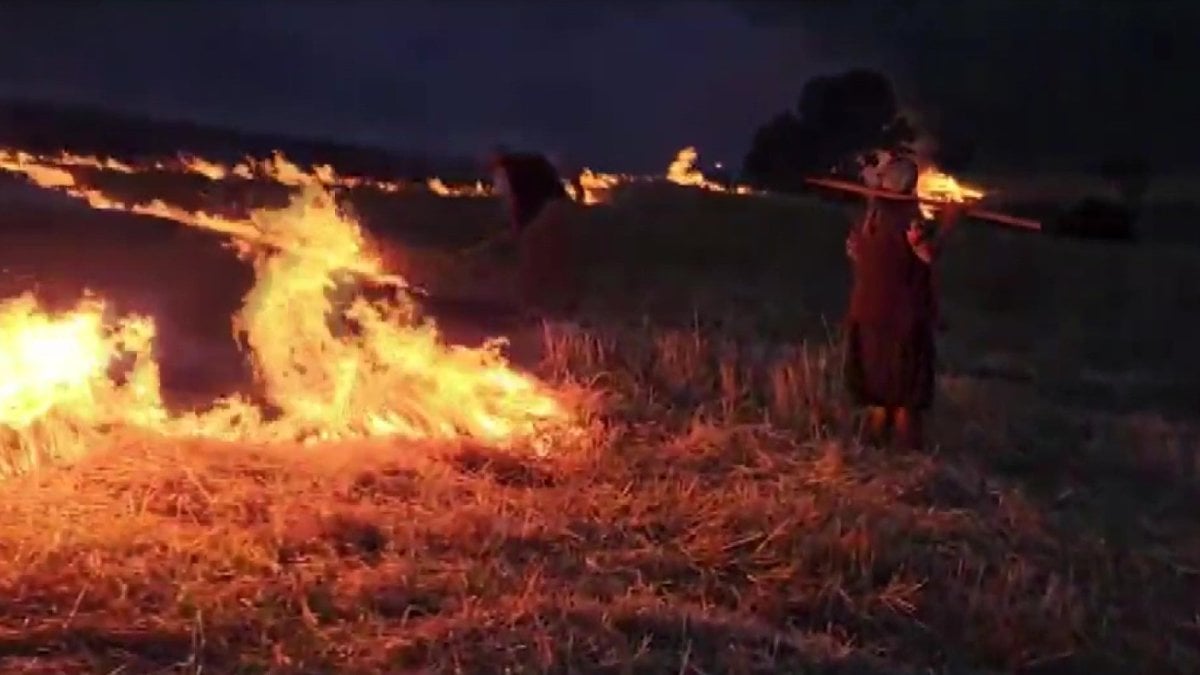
927,242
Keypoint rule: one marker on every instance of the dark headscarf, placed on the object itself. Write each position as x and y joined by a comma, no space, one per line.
532,182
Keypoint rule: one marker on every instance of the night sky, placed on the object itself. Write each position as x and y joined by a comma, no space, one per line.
623,85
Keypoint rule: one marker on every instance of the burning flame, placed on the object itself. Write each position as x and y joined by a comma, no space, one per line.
57,383
54,363
345,367
597,185
276,168
332,369
439,187
105,164
199,165
683,171
594,187
933,185
590,188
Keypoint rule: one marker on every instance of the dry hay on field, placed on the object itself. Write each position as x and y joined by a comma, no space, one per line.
714,518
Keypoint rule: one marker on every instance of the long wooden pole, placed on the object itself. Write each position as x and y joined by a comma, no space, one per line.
982,214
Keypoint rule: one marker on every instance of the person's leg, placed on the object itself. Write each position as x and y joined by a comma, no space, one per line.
854,376
560,272
527,273
876,432
552,281
910,432
920,396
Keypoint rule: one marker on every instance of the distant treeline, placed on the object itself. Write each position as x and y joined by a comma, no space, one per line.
42,126
842,122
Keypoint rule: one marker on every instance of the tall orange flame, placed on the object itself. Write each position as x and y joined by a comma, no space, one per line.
361,369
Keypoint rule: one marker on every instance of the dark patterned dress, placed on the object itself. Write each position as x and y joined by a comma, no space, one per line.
890,349
538,205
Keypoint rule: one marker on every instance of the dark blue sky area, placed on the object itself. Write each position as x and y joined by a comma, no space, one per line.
621,85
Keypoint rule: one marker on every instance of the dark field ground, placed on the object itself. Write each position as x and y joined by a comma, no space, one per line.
716,520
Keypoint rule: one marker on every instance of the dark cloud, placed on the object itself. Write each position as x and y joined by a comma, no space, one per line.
616,84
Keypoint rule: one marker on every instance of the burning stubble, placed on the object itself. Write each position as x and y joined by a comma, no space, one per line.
387,376
390,377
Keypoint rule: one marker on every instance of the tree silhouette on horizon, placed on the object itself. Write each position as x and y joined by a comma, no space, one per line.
839,123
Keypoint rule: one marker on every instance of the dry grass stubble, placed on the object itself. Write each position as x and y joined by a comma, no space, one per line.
716,521
724,535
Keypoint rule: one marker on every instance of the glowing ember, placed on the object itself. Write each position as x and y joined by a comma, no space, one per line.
360,370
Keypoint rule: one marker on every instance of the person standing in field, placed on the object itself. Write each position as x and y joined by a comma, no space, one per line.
538,205
890,349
